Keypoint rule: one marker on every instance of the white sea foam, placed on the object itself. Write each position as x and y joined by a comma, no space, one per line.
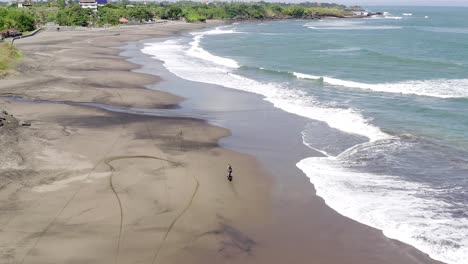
407,14
393,17
387,15
443,88
179,59
376,200
353,27
306,76
217,31
385,18
198,52
343,50
347,25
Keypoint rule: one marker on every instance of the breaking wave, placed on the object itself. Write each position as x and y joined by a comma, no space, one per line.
442,88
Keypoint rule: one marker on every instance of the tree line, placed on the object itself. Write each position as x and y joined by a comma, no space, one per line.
69,13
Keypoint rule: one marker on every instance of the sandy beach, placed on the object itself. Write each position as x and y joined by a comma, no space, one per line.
82,184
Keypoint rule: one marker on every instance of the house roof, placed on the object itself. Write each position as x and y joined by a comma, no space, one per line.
87,1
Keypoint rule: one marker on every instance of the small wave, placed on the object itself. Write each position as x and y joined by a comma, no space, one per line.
205,69
306,76
357,28
403,210
442,88
268,70
197,51
271,34
310,77
342,50
393,17
384,18
407,14
217,31
346,25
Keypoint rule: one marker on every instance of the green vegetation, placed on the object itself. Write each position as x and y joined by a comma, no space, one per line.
9,57
69,13
15,18
73,16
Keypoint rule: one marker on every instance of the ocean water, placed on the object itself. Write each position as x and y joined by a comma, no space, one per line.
394,86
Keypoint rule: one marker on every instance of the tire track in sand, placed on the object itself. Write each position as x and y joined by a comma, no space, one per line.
108,162
189,204
176,219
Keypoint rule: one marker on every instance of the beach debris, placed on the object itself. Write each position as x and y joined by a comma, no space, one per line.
26,124
7,120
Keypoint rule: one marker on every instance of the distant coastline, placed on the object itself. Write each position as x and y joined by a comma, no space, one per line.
308,17
100,14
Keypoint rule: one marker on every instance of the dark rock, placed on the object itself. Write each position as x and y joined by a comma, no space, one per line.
26,124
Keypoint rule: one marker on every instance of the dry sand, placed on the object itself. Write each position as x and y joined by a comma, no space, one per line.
84,185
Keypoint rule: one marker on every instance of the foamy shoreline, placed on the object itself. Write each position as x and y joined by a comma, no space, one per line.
258,149
223,72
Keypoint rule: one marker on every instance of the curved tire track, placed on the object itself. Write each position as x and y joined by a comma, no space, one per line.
108,162
176,219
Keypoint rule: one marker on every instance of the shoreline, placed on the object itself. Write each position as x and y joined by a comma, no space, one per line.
217,230
253,148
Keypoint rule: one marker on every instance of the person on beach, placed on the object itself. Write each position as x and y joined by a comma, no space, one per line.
229,169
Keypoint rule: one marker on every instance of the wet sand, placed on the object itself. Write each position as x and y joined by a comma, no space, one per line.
87,185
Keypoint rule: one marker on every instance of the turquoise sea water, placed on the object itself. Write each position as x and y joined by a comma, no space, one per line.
392,88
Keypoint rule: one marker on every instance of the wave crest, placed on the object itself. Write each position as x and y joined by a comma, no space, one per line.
198,52
208,69
376,200
442,88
